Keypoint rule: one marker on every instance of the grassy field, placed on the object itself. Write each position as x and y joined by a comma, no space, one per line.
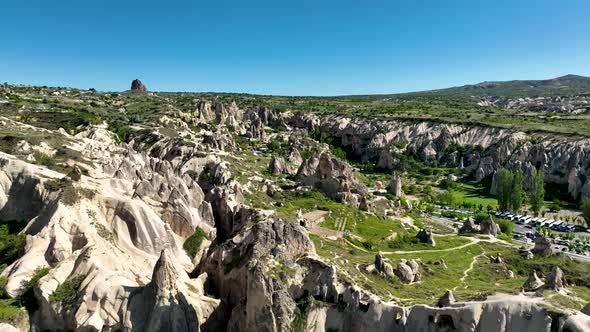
474,194
428,290
484,278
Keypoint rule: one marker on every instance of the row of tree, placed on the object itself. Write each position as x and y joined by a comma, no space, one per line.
511,194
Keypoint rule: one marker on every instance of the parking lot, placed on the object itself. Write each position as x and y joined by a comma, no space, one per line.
532,222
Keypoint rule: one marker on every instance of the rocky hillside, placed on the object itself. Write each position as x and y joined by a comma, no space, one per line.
559,86
152,225
475,150
565,94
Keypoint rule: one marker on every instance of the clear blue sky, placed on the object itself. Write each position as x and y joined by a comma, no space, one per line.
291,47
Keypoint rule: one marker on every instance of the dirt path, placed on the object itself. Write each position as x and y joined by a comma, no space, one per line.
355,246
471,266
473,241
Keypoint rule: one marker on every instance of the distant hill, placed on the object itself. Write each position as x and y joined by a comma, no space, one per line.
560,86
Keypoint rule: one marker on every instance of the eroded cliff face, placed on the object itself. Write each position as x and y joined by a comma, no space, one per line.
478,151
119,228
108,228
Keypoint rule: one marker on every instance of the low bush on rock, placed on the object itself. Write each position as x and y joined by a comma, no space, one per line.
27,297
192,243
10,243
11,313
304,305
67,293
71,194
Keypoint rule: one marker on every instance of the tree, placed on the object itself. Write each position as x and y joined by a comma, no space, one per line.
585,206
517,192
503,189
506,226
447,198
480,217
537,191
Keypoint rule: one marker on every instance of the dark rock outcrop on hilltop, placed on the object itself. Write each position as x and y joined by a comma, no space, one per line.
138,86
331,176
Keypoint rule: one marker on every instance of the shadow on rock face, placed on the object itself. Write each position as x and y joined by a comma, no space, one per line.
24,200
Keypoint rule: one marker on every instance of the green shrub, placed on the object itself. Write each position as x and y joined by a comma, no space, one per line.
453,215
10,244
304,305
11,313
400,144
72,195
90,118
192,243
418,223
121,134
338,153
480,217
274,146
27,297
55,184
44,160
67,294
402,241
3,292
306,154
555,205
506,226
